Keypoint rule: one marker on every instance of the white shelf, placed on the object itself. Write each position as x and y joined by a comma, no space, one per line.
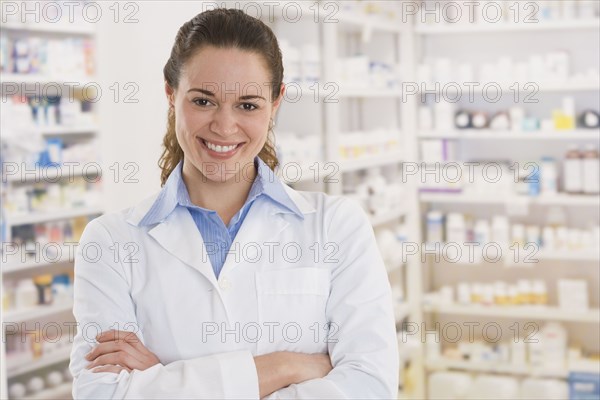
468,198
54,174
42,362
508,88
56,28
369,23
36,312
77,83
387,217
68,130
12,266
486,134
62,391
530,312
443,363
37,217
541,26
367,92
370,162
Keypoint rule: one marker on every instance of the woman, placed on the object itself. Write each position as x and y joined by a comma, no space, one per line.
228,283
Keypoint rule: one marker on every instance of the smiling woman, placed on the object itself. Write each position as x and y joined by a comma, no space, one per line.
210,302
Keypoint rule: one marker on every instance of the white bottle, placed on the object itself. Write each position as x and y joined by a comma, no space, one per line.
501,231
26,294
591,170
553,338
573,171
456,229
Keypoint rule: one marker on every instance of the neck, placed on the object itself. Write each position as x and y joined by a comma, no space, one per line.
227,198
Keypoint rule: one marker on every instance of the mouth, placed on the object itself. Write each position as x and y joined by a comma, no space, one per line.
220,150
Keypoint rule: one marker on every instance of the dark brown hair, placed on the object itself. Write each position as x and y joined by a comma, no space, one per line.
221,28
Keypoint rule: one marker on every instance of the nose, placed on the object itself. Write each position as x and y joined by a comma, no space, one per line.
224,123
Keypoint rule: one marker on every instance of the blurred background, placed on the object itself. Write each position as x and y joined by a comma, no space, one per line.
451,122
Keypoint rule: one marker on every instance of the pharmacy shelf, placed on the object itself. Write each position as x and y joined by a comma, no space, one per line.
42,362
368,23
16,266
306,173
370,162
62,29
367,92
37,312
59,130
476,198
78,83
388,217
54,174
444,363
36,217
486,134
541,26
62,391
520,312
508,88
527,258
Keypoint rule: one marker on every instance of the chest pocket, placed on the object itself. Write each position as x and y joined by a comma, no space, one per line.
291,309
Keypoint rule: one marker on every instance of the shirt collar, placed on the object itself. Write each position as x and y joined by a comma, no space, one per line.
174,193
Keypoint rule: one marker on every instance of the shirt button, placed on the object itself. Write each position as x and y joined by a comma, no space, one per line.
224,284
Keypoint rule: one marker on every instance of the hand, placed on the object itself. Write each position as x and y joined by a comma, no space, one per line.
120,350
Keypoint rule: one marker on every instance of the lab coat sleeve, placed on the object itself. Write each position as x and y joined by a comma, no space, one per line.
364,351
102,302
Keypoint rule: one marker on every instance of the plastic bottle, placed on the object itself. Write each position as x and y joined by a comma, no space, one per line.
573,171
456,229
501,231
26,294
591,170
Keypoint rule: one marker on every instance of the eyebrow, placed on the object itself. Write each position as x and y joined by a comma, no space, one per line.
209,93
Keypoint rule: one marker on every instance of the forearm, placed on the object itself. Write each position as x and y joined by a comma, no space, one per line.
281,369
275,371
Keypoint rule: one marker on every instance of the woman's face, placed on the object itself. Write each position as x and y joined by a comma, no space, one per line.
222,111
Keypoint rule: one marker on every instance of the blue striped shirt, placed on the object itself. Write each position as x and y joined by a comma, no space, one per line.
217,237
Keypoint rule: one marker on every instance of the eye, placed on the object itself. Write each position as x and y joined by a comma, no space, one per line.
249,106
201,102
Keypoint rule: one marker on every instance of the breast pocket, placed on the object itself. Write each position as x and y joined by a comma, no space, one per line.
291,309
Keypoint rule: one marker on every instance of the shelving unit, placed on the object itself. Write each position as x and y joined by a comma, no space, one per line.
516,41
17,267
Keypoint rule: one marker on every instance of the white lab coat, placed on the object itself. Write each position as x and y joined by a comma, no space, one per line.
277,291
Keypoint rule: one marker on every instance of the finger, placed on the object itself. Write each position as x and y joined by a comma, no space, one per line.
113,347
115,335
110,368
119,358
126,336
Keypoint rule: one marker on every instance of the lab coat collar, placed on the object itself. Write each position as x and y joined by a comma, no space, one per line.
174,192
178,234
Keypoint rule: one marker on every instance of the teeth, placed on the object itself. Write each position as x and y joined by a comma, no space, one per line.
219,149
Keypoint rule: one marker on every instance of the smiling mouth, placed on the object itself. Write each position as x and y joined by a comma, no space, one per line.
220,149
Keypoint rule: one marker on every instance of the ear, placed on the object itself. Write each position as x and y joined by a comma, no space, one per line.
277,102
170,94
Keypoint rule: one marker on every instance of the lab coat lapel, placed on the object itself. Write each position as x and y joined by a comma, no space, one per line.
179,235
263,223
